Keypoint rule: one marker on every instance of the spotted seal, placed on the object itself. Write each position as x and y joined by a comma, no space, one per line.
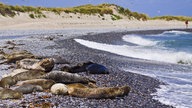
14,72
46,64
59,89
80,67
98,93
66,78
8,81
10,94
44,83
16,56
29,88
28,75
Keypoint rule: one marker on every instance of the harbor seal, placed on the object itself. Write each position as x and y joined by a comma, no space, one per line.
29,88
28,75
80,67
10,94
44,83
97,69
6,82
14,72
46,64
66,78
89,67
98,93
79,85
59,89
16,55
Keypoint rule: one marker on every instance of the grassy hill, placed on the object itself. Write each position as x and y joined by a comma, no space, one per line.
116,12
37,12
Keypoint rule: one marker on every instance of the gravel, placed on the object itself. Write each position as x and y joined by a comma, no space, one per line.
49,45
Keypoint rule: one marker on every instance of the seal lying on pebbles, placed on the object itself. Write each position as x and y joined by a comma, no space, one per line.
28,75
89,67
17,55
29,88
10,94
6,82
79,85
44,83
97,69
46,64
59,89
98,93
14,72
80,67
66,78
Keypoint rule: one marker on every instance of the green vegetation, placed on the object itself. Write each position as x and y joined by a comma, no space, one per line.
32,16
169,18
90,9
11,11
130,14
37,12
115,17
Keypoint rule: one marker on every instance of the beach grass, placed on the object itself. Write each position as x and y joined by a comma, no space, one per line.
89,9
170,18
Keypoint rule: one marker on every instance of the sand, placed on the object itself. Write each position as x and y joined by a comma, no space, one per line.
80,21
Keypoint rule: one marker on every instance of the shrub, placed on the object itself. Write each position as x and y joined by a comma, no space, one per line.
169,18
115,17
32,16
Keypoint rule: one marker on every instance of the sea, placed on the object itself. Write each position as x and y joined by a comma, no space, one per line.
173,48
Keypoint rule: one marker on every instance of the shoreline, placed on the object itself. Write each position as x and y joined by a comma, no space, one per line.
67,48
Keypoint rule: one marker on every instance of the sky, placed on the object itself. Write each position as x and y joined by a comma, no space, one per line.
149,7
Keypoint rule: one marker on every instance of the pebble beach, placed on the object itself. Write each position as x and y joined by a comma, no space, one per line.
61,44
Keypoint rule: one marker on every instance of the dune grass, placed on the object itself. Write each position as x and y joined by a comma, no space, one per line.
102,9
169,18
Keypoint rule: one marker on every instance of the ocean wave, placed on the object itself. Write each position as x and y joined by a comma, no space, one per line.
135,39
140,52
179,96
176,92
172,33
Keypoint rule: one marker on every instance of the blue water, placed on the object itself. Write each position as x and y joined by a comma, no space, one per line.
173,49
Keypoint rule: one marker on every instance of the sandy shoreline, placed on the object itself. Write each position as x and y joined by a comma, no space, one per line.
79,21
64,46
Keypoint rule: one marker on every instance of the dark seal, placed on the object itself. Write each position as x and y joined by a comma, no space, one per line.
97,69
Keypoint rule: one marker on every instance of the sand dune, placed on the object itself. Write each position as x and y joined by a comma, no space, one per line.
75,21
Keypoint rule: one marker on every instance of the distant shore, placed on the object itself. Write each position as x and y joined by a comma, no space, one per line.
80,21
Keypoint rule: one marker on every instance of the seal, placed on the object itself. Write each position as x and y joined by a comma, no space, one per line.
29,88
66,78
97,69
28,75
46,64
79,85
14,72
80,67
98,93
10,94
44,83
16,56
59,89
8,81
89,67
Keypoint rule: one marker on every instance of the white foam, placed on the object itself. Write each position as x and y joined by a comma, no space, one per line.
138,40
177,92
176,32
140,52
